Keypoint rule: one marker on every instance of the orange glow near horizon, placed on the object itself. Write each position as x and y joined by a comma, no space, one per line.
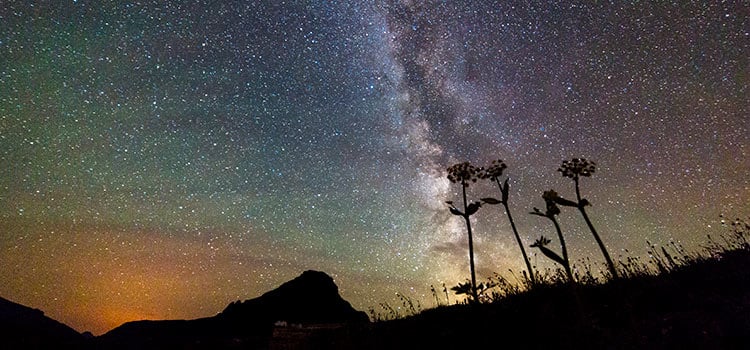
162,160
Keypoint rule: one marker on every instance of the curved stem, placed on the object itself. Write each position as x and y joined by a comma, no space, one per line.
564,249
471,261
471,246
503,191
520,245
607,258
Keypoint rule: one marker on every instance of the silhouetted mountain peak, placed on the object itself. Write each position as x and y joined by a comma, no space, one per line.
310,285
312,297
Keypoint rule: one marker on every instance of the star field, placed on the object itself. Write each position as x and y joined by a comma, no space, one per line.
160,160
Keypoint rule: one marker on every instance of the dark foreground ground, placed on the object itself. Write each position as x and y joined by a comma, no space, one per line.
701,304
704,304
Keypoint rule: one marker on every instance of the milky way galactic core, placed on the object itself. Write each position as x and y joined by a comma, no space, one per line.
162,159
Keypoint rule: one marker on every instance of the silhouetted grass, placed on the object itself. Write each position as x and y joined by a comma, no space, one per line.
672,299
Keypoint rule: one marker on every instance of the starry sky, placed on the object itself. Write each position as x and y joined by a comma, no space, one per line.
162,159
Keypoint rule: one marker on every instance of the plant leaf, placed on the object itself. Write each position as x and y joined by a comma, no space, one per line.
455,211
552,255
473,208
537,212
565,202
490,200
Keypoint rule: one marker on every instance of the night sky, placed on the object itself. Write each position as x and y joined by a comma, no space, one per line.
160,160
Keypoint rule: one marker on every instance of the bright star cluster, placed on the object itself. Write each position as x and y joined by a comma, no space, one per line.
161,159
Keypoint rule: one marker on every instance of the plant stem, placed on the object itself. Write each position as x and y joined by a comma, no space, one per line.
564,249
598,239
518,238
607,258
471,246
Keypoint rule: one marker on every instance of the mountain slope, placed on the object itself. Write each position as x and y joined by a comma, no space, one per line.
310,299
22,327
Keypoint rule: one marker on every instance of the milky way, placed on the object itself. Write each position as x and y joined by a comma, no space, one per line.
160,160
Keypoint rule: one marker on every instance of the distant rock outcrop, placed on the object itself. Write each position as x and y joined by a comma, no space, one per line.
309,300
22,327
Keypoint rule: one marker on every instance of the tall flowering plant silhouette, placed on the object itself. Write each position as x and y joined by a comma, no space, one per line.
493,173
464,174
551,199
575,169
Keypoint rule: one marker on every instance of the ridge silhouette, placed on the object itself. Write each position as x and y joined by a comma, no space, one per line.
312,297
310,300
22,327
701,302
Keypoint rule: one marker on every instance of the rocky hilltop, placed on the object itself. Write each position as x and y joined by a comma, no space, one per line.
306,308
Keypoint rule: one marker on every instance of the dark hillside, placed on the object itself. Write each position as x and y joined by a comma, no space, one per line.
704,304
22,327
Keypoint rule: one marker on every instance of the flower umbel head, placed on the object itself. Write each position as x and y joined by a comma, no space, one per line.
494,171
541,242
464,173
577,167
